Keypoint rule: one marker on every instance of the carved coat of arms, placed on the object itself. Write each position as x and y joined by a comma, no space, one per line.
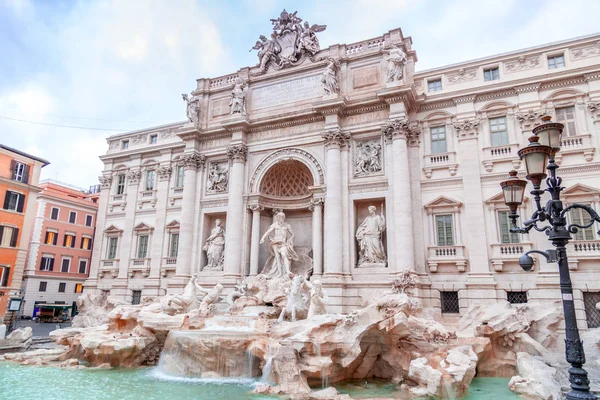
290,43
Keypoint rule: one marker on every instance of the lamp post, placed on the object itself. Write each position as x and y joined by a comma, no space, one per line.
538,157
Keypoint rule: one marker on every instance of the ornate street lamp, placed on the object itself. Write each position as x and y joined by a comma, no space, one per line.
540,151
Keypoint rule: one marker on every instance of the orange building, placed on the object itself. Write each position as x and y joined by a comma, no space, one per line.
60,250
19,177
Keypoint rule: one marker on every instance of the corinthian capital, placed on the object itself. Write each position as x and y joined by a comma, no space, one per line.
466,128
134,176
105,181
164,172
335,137
237,153
401,128
193,160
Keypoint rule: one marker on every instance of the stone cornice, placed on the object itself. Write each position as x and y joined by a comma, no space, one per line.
404,93
331,106
441,182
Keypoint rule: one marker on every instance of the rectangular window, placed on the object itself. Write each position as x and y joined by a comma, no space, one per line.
516,297
150,177
47,263
4,274
54,214
89,220
72,217
120,183
153,139
492,74
14,201
142,246
445,235
180,175
556,62
174,245
112,248
136,297
69,240
66,264
43,286
498,131
449,302
20,171
78,288
51,237
505,234
86,243
566,116
62,287
125,144
438,140
592,313
581,217
8,236
82,266
434,85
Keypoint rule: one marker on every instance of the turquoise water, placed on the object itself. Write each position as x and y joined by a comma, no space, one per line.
47,383
480,389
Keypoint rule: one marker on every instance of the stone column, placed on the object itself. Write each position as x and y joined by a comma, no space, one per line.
480,281
156,249
98,242
191,163
334,140
235,210
255,238
316,206
400,134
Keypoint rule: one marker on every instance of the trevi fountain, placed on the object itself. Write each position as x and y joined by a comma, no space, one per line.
275,334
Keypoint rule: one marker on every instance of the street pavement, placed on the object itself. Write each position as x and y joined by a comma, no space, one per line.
41,328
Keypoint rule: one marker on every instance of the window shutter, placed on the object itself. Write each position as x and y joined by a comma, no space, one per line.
42,264
13,169
1,232
26,174
46,239
7,199
65,241
52,264
21,203
6,275
73,242
55,239
15,235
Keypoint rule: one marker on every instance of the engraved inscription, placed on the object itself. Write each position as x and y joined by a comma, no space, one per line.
287,92
220,107
364,77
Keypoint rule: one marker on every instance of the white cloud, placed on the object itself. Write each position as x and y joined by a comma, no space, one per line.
119,60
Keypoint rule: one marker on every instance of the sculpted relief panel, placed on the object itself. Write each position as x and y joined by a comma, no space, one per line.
218,177
220,107
287,92
368,157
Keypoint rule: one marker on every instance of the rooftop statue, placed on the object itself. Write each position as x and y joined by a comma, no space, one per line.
291,42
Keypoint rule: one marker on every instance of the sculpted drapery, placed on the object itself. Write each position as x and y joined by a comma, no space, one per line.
369,236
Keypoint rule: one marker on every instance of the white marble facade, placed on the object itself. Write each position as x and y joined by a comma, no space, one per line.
428,148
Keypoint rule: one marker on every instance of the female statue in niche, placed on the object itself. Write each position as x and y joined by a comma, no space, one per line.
369,236
281,246
214,247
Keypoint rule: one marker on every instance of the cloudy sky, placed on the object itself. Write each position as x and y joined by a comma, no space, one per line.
111,66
